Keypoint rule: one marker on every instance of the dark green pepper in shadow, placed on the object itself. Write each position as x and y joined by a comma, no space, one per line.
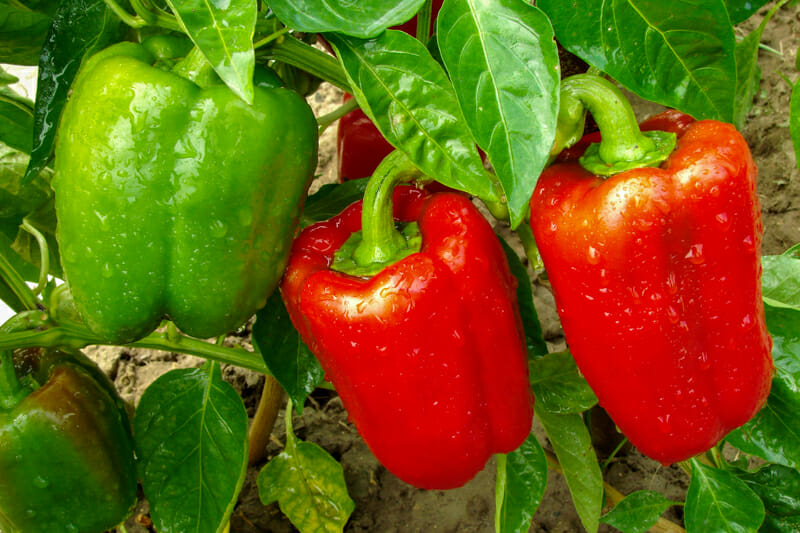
66,448
175,198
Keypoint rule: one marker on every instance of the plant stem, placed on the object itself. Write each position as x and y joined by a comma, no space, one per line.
44,255
294,52
76,335
264,419
424,22
329,118
17,284
614,497
127,18
525,234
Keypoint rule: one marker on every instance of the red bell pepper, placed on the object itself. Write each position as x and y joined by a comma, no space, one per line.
655,272
427,354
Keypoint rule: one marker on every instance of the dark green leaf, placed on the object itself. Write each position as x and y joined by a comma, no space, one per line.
22,32
719,501
223,31
80,28
503,61
679,53
774,433
521,480
558,385
637,512
530,319
778,487
573,446
286,356
191,443
309,486
359,19
794,120
741,10
780,281
405,92
332,199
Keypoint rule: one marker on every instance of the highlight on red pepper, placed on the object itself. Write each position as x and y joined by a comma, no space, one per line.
656,272
407,301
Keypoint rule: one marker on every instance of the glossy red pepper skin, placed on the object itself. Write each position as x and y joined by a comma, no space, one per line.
428,355
656,275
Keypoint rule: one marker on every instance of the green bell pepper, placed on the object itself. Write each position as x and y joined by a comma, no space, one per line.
66,447
174,197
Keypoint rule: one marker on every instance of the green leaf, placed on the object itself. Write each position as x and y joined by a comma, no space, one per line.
191,443
741,10
774,433
778,487
287,357
223,31
637,512
521,480
16,120
573,446
23,30
679,53
558,385
508,90
308,484
780,281
794,120
17,199
407,95
80,28
530,319
332,199
358,19
748,69
719,501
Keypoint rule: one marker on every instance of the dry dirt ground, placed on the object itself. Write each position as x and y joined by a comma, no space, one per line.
383,503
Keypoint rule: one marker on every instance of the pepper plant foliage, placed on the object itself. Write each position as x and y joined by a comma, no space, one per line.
489,80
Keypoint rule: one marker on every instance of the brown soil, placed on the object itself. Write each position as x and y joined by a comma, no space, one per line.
383,503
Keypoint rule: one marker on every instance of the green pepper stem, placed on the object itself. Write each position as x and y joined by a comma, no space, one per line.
294,52
127,18
623,145
381,241
11,389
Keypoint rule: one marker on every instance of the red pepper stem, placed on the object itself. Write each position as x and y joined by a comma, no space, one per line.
381,242
623,145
